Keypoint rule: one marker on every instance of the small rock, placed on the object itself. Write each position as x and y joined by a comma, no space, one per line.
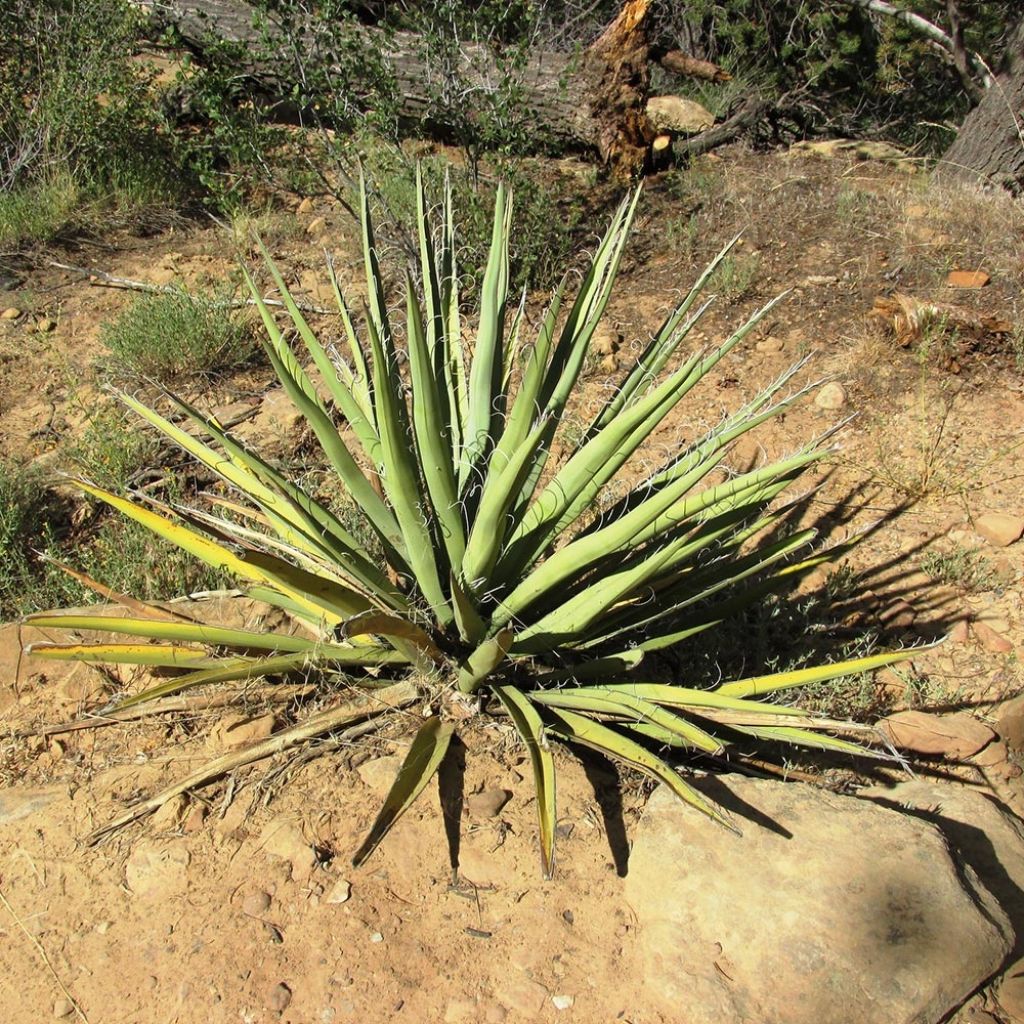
1011,992
898,615
831,397
84,687
279,997
770,345
340,892
45,325
990,640
316,225
521,994
993,755
306,206
11,313
63,1008
379,773
157,869
256,903
487,803
234,731
285,840
967,279
958,735
960,633
169,815
999,528
675,114
562,1002
1010,723
376,937
891,682
606,340
195,819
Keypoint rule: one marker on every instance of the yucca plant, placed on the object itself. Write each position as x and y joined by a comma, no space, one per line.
524,584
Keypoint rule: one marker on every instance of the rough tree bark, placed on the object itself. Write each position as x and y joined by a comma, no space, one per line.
594,102
989,148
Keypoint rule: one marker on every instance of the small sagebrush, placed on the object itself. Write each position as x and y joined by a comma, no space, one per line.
175,334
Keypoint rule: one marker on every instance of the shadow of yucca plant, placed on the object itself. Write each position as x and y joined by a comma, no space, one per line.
501,589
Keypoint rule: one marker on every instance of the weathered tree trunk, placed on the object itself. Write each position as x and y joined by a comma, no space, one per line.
989,148
592,102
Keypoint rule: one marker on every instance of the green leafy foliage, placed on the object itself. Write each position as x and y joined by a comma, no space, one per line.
79,130
498,581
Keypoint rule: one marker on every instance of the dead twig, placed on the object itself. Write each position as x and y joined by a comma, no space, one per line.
46,960
388,699
102,279
175,705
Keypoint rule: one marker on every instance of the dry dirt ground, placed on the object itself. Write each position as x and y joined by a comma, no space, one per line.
240,904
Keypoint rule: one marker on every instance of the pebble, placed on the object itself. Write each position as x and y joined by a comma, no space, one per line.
279,997
958,735
990,640
376,937
960,633
63,1008
168,816
235,731
316,226
1010,723
1011,992
562,1002
306,206
256,903
340,892
770,345
967,279
999,528
195,819
11,313
487,803
830,397
46,325
898,615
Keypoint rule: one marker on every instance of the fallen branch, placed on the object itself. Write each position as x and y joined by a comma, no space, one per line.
752,110
102,279
175,705
683,64
908,318
390,698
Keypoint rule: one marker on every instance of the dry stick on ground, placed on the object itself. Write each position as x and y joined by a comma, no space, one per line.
102,279
46,960
752,110
175,705
390,698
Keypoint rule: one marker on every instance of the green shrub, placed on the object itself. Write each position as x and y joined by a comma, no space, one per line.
36,526
109,452
500,591
80,138
176,334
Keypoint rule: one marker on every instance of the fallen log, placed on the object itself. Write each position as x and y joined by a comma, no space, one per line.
593,102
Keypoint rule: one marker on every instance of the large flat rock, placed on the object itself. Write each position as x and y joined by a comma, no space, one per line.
828,908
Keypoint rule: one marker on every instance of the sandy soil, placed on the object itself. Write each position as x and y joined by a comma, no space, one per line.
240,903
